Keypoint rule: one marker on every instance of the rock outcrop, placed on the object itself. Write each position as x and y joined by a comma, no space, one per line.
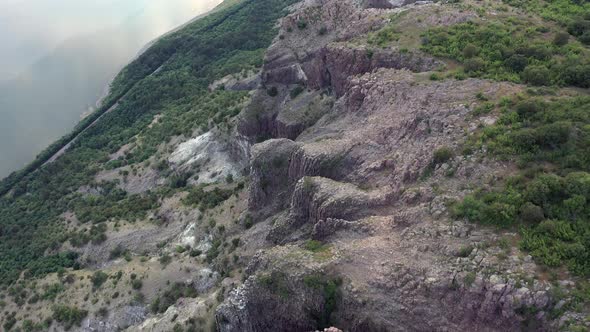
359,178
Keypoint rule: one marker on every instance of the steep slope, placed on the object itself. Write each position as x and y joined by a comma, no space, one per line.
355,192
380,170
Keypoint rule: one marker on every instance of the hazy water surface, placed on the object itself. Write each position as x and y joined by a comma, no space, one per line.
57,56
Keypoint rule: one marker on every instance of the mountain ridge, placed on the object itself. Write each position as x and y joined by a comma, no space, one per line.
359,165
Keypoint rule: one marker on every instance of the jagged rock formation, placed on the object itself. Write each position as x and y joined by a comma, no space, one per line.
352,179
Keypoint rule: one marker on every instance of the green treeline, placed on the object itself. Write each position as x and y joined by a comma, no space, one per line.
170,79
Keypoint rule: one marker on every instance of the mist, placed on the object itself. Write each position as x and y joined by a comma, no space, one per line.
58,56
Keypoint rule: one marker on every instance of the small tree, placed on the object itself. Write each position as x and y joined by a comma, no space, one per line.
442,155
99,278
474,65
272,91
537,75
470,51
561,38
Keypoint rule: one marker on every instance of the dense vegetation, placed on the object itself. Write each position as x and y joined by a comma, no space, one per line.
207,199
170,79
512,50
573,14
547,131
549,198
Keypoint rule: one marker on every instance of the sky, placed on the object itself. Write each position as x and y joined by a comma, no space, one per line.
57,57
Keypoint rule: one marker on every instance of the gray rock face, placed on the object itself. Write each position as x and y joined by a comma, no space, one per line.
316,199
269,173
277,297
237,83
119,320
249,306
205,280
331,66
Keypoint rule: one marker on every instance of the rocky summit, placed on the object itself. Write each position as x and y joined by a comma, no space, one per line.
322,165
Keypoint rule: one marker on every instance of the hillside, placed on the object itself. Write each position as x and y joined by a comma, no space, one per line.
293,166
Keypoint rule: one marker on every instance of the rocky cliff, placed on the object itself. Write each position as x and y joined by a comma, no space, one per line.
315,190
350,174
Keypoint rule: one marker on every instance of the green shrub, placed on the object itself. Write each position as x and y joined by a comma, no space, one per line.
561,38
206,200
276,282
516,63
301,24
469,279
68,316
195,253
272,91
52,291
171,295
165,260
580,27
315,246
103,312
248,221
474,65
531,213
98,278
9,322
465,251
136,284
509,51
470,50
332,295
118,251
537,75
296,91
442,155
